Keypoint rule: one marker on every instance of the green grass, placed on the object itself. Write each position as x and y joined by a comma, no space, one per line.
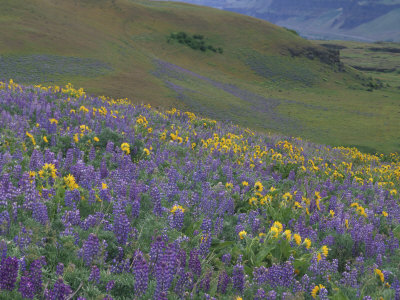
126,39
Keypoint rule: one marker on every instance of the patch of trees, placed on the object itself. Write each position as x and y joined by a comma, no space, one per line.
195,41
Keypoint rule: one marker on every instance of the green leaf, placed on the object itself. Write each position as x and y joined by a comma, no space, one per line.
263,253
338,293
222,245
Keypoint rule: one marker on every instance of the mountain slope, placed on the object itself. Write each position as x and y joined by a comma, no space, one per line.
267,78
370,20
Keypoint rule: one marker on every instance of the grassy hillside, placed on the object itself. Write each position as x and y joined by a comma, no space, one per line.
265,79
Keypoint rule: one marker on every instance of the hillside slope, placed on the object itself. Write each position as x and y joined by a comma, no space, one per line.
267,78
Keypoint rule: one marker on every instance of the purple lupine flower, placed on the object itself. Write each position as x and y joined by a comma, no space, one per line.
323,294
26,288
72,197
60,291
69,159
223,282
4,222
141,272
110,285
121,228
39,213
205,244
60,269
92,154
396,287
156,249
36,162
177,219
206,225
271,295
260,295
110,147
135,208
103,169
35,274
226,258
94,275
8,273
219,225
238,277
156,199
3,250
194,262
205,282
161,275
91,248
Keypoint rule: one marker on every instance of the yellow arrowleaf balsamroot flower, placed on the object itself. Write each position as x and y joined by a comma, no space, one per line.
242,234
49,169
380,274
70,182
245,183
253,201
96,139
84,109
316,290
176,208
325,250
276,229
104,186
31,137
146,151
258,186
53,121
229,185
45,140
287,196
288,234
307,243
126,148
266,199
297,238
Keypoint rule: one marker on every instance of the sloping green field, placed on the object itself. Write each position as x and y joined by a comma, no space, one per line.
267,77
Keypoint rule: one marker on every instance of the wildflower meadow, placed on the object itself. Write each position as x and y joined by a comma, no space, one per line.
102,199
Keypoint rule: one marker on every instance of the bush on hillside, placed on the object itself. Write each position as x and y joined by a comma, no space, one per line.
195,42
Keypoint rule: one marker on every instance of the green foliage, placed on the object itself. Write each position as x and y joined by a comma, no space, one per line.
195,42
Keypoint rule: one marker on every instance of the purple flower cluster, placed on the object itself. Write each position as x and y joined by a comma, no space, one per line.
167,205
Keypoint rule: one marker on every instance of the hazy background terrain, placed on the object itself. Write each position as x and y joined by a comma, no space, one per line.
369,20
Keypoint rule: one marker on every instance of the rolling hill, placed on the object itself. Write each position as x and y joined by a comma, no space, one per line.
267,78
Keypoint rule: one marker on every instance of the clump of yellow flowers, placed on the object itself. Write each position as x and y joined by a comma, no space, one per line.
126,148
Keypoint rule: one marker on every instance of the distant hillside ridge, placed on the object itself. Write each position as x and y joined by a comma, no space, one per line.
370,20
